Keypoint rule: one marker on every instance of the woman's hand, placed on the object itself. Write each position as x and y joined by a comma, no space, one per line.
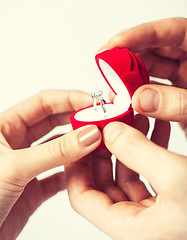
121,206
20,163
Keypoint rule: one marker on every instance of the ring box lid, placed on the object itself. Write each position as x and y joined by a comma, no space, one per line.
123,71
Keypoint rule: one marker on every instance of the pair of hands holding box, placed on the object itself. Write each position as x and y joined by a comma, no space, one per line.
121,207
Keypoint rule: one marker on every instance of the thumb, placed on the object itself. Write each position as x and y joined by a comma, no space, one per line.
161,102
74,145
141,155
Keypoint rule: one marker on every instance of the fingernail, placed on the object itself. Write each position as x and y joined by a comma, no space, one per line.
89,136
149,100
112,131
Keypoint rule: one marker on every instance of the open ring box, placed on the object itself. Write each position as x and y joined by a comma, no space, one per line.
125,73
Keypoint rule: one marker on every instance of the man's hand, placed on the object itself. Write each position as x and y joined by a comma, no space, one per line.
121,206
162,46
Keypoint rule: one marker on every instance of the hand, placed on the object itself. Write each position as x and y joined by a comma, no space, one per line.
162,45
20,163
123,208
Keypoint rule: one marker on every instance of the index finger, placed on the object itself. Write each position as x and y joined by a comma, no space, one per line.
39,114
166,32
159,166
83,196
47,103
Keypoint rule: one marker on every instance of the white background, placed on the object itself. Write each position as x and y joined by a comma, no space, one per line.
47,44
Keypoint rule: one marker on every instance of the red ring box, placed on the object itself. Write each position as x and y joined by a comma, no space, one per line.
125,73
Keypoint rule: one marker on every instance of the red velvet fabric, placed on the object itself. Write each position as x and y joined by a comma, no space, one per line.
132,72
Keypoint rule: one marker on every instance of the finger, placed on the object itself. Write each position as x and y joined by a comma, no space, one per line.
51,102
141,123
171,52
51,186
32,197
129,180
166,67
166,32
161,102
28,163
39,130
43,127
161,133
84,199
39,191
37,108
160,67
4,145
102,171
183,125
153,162
94,205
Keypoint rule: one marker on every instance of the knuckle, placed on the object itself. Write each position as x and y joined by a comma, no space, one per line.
53,121
59,149
12,186
44,92
130,141
43,98
75,198
13,181
74,206
115,40
181,107
175,177
173,104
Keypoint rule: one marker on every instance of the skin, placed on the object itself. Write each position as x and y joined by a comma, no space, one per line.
121,206
162,46
20,192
